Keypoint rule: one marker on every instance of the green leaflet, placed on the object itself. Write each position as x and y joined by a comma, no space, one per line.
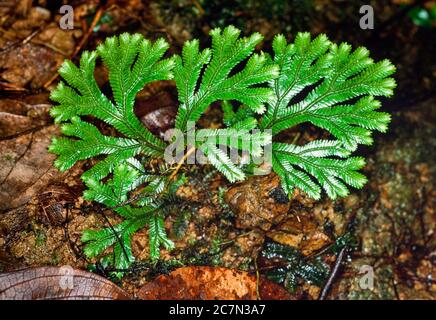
91,143
294,164
132,62
158,236
296,267
344,75
243,119
228,50
335,75
119,236
114,194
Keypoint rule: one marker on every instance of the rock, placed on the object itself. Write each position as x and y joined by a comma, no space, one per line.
258,202
301,232
261,203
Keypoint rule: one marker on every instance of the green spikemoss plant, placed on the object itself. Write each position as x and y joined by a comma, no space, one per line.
308,80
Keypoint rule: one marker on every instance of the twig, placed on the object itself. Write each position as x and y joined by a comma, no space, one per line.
119,240
67,237
50,46
394,285
180,163
257,279
297,136
236,237
5,86
28,146
82,43
333,274
22,42
198,6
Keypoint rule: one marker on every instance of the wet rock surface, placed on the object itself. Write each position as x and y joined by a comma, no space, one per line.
396,218
302,232
258,202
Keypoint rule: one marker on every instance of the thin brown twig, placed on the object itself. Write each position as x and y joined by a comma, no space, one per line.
257,279
333,274
236,238
198,6
115,233
5,86
180,163
82,43
50,46
22,42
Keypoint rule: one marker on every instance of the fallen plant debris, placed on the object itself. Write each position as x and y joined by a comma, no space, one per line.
207,283
60,283
26,166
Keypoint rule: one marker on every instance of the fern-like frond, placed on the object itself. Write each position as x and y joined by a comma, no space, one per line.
132,62
158,236
221,161
294,164
339,75
90,143
239,139
113,193
119,236
242,119
309,80
228,50
352,124
301,63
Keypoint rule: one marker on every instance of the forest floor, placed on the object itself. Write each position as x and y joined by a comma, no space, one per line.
387,228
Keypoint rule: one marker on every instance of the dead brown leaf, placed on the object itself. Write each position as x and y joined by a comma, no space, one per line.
57,283
158,111
17,116
26,167
209,283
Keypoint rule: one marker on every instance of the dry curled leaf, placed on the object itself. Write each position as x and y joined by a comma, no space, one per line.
57,283
208,283
26,167
53,201
158,112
